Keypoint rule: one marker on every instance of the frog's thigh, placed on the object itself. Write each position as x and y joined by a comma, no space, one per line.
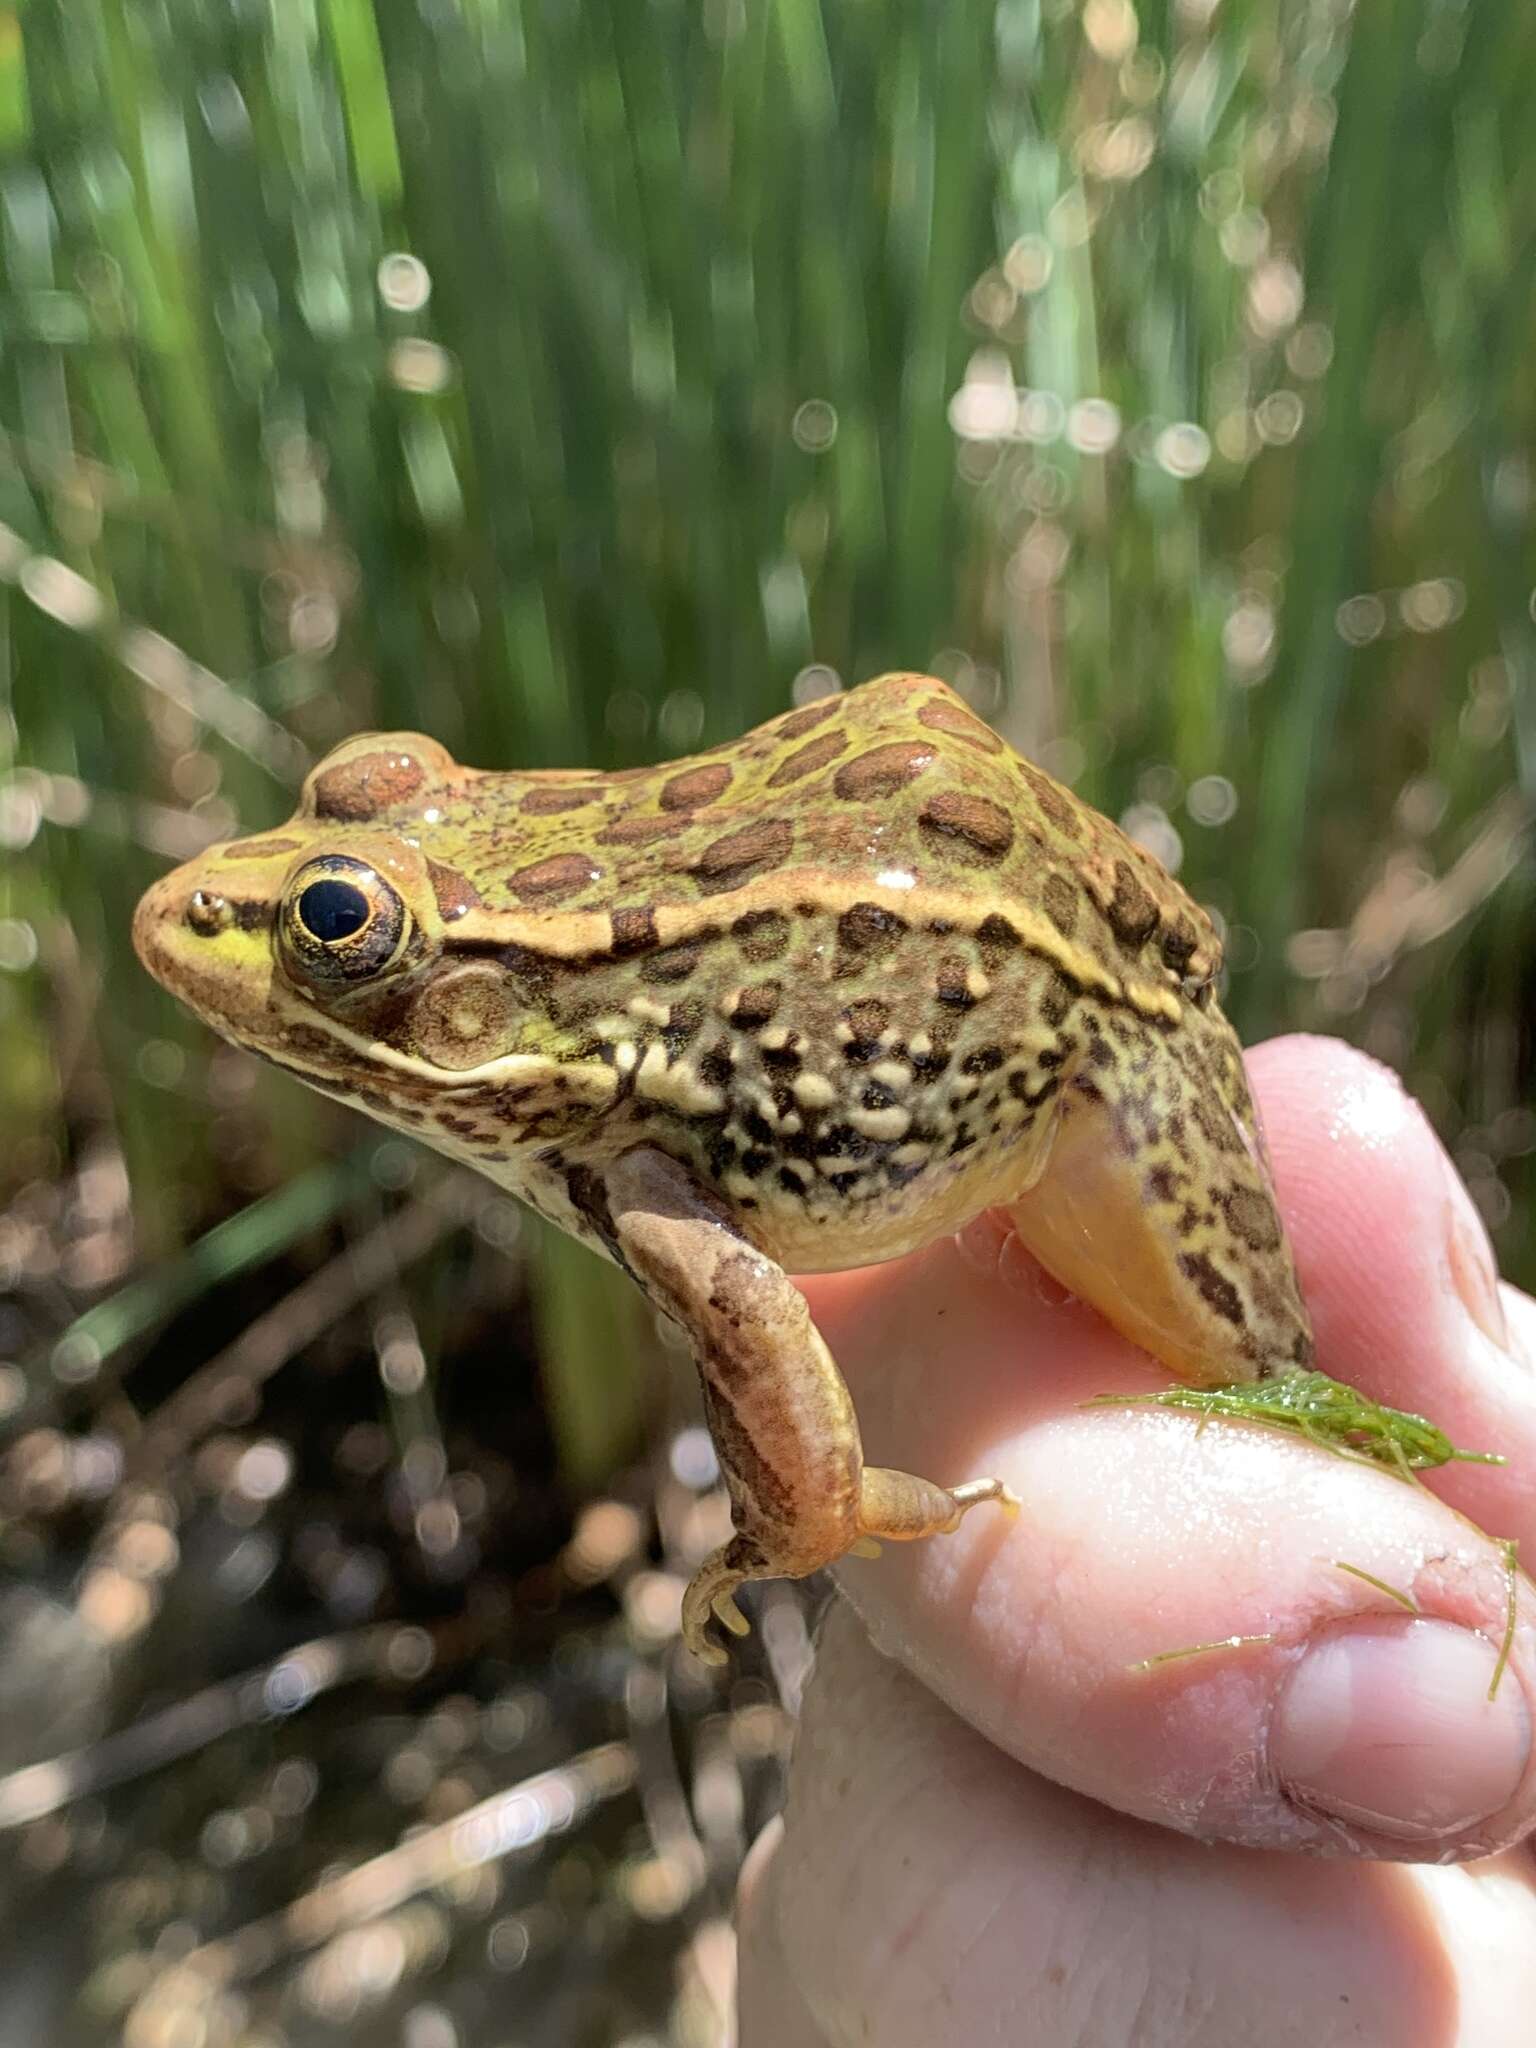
781,1418
1178,1246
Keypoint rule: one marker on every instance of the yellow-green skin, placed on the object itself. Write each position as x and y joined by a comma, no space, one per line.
803,1002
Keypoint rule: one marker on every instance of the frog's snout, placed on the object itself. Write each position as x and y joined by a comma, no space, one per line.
159,912
176,926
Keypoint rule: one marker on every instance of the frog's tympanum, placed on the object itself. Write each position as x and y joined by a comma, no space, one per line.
800,1003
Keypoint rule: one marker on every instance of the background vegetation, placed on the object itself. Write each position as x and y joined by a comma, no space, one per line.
580,383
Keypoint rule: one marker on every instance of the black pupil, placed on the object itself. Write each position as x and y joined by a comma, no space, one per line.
333,910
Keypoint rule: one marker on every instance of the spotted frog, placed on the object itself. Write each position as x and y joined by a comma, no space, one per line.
803,1002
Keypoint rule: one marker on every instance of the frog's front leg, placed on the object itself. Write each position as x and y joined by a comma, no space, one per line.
781,1418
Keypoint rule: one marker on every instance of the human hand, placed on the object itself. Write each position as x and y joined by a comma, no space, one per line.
999,1829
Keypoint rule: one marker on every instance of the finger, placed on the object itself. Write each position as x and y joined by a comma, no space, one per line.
1520,1321
1397,1269
927,1890
770,2008
1352,1722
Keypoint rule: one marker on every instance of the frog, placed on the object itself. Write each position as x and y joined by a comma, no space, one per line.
805,1001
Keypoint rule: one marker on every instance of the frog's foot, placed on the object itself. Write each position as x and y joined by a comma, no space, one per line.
901,1507
894,1506
709,1603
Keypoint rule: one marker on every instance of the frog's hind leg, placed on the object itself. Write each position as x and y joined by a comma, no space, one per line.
780,1416
1153,1202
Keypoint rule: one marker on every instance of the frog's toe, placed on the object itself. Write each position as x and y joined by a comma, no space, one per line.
700,1632
709,1604
727,1611
974,1491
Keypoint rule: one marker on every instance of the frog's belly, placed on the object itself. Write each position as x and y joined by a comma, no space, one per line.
845,1185
809,1227
827,1233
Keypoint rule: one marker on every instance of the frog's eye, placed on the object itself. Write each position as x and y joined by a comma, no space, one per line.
331,909
340,922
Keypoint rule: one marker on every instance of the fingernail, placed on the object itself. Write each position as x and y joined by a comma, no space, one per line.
1473,1271
1390,1727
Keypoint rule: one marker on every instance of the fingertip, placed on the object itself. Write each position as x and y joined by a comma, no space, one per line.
1383,1229
1399,1727
1321,1095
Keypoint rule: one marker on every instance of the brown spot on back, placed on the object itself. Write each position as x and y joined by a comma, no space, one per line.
1061,903
813,755
546,802
671,964
259,849
696,786
1132,910
641,831
868,931
1191,953
549,881
634,930
882,771
798,723
762,935
997,939
1179,940
982,830
681,1026
1059,807
738,856
952,983
942,714
756,1006
455,893
359,789
868,1018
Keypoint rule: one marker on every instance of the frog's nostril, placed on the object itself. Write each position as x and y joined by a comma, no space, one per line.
208,913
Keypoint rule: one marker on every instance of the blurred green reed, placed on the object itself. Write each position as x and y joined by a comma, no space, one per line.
577,381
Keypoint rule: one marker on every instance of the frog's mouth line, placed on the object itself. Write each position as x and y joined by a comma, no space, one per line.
581,1080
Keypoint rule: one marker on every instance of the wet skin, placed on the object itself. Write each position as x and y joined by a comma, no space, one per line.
802,1003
